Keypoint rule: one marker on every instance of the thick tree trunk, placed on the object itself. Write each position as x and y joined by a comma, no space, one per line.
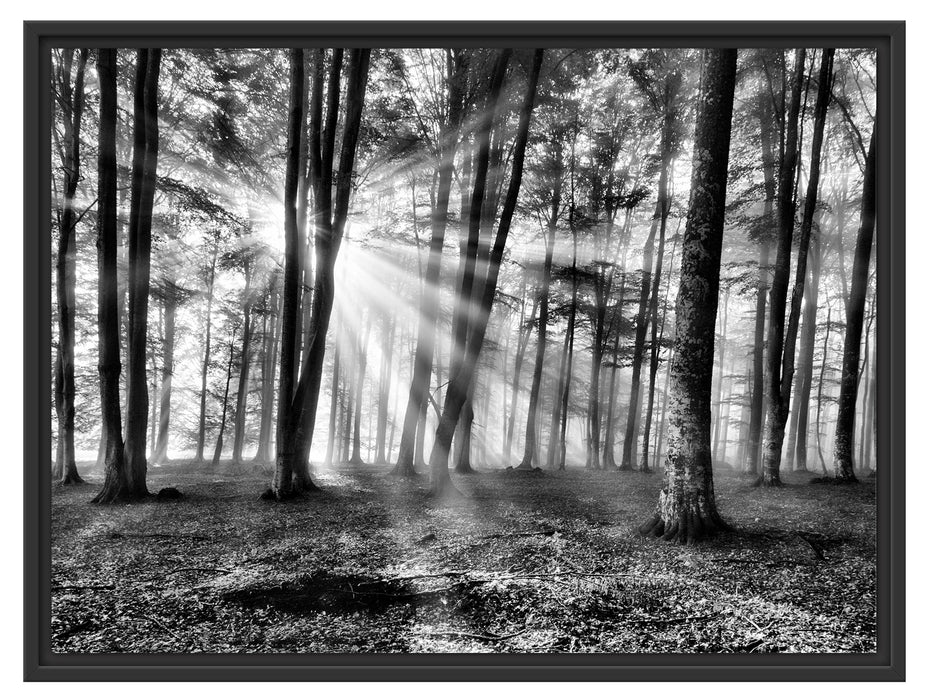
72,103
687,510
145,163
847,401
115,486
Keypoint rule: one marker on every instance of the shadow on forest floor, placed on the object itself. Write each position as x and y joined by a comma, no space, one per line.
526,562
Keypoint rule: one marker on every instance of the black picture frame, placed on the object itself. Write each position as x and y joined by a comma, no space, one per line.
888,664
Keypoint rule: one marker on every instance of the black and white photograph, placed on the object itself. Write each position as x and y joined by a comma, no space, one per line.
463,350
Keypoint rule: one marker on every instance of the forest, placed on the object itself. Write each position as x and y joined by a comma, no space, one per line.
440,349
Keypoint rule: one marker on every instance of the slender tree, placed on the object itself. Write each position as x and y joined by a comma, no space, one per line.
847,401
462,378
430,298
71,102
782,344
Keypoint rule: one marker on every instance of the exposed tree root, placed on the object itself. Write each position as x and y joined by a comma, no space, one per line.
464,468
404,469
71,477
685,523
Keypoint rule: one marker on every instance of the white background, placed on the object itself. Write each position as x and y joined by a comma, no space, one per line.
11,284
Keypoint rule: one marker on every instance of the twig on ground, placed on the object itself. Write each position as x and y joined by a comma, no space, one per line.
472,635
79,587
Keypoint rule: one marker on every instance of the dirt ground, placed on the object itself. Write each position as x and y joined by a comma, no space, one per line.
527,562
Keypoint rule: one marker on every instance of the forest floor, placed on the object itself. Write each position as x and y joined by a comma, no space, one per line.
527,562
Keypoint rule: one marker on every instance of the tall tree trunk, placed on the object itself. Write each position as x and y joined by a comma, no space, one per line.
847,401
245,362
461,379
72,103
384,389
776,400
115,486
430,297
687,510
205,364
607,457
806,359
543,318
271,339
291,470
629,456
168,370
658,331
718,404
283,485
331,447
224,405
782,345
824,364
362,357
145,163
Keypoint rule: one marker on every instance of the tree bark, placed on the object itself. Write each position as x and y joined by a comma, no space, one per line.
543,317
245,363
205,364
782,347
115,486
430,297
460,380
145,163
72,104
296,435
224,405
170,295
687,510
847,400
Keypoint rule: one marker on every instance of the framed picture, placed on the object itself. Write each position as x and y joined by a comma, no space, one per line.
465,351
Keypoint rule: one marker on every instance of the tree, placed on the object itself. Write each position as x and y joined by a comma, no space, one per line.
782,335
429,304
297,417
687,510
116,485
847,401
71,103
555,189
462,377
145,162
